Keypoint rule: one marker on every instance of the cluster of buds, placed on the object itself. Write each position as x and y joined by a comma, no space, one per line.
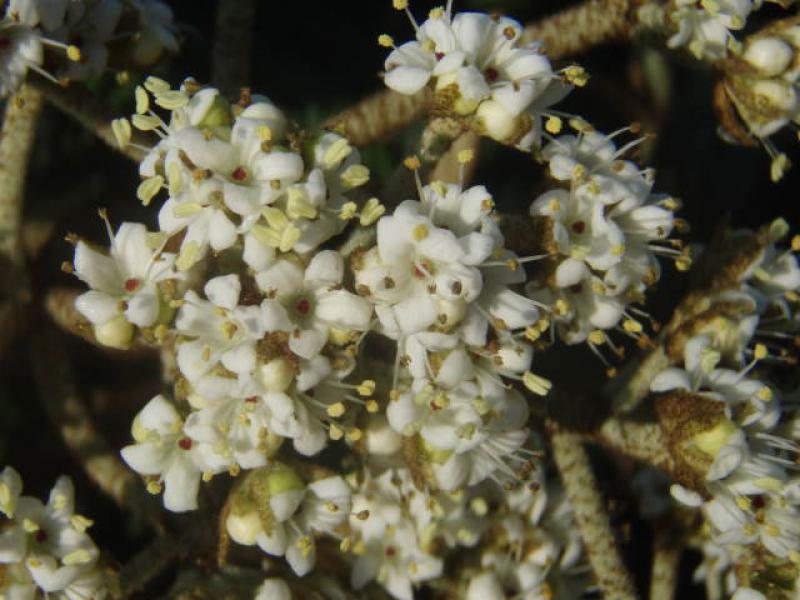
85,32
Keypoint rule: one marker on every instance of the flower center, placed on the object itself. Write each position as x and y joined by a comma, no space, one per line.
185,443
41,536
439,55
579,227
132,284
491,74
5,42
239,174
302,306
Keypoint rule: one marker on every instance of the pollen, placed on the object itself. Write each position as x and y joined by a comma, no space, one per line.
419,232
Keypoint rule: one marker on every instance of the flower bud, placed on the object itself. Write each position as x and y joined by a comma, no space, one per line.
115,333
771,56
496,122
244,529
276,375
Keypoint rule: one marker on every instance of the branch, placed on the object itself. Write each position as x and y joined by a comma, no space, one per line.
578,28
666,561
641,441
591,516
233,45
377,117
59,394
81,106
448,168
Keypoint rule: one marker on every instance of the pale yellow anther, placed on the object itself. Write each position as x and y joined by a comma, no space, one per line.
336,410
618,250
354,176
186,209
298,206
479,506
336,153
684,263
30,526
149,188
80,523
156,85
174,179
709,359
372,406
760,352
122,77
561,307
275,217
553,125
372,211
743,503
335,432
796,243
121,128
73,53
172,99
264,133
794,556
348,211
77,557
385,40
188,256
764,394
358,548
441,400
394,395
412,162
536,384
554,205
780,164
597,337
576,75
772,529
578,171
419,232
632,326
354,434
289,237
436,13
400,4
769,483
142,100
366,388
466,155
207,476
145,122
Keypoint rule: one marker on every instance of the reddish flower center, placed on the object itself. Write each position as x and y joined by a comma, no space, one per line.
491,74
239,174
302,306
41,536
439,55
5,42
185,443
131,285
579,227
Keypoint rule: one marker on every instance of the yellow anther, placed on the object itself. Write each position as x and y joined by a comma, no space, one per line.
618,250
760,352
264,133
536,384
764,394
576,75
632,326
73,53
336,410
145,123
597,337
372,211
188,256
780,164
385,40
335,432
336,153
354,434
553,125
366,388
561,307
400,4
30,526
153,487
348,211
77,557
412,162
419,232
156,85
372,406
796,243
172,99
289,237
436,13
354,176
80,523
149,188
121,128
554,205
466,155
142,100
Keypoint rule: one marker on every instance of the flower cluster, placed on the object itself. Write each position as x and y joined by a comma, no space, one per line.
705,27
481,70
83,31
734,440
600,233
46,552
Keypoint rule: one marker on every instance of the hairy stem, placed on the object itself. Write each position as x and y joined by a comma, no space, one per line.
642,441
578,28
590,512
666,560
233,45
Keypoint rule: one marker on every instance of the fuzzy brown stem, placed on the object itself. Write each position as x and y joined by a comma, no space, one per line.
578,28
233,45
666,561
590,513
641,441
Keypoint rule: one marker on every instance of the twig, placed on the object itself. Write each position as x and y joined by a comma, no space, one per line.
666,560
578,28
590,513
148,564
81,106
642,441
448,168
16,144
59,394
377,117
233,45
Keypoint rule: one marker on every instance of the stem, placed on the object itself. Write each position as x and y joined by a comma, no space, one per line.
79,105
377,117
233,45
642,441
666,561
578,28
448,168
590,512
148,564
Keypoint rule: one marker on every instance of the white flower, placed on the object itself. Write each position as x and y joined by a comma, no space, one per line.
158,31
706,29
20,50
166,454
125,283
273,588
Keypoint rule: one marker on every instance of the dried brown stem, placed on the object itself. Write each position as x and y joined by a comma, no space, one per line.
81,106
233,45
578,28
590,513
